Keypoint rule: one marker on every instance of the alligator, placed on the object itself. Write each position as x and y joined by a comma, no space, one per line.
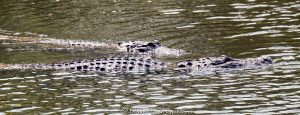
141,65
136,48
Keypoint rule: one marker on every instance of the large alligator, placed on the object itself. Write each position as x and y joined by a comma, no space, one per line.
131,65
141,59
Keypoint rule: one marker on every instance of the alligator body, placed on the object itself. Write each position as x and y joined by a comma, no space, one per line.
141,65
119,65
136,48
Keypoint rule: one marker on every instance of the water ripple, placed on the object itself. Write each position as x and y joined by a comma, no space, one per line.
206,28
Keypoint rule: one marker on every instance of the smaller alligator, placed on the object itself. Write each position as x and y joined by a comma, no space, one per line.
136,48
132,65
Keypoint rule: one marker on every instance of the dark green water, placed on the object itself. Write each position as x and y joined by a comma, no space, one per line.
237,28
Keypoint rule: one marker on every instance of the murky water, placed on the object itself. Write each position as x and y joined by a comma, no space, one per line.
247,28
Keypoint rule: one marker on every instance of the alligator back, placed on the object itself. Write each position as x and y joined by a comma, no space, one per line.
106,65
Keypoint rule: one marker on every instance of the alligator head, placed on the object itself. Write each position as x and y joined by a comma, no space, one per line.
248,63
223,62
150,49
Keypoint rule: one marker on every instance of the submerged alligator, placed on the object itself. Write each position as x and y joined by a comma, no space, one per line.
141,59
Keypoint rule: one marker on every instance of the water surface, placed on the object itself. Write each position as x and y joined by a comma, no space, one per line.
247,28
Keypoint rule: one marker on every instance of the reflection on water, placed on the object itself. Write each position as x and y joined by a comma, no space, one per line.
61,92
206,28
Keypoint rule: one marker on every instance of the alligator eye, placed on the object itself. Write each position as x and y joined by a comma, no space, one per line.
152,45
227,59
